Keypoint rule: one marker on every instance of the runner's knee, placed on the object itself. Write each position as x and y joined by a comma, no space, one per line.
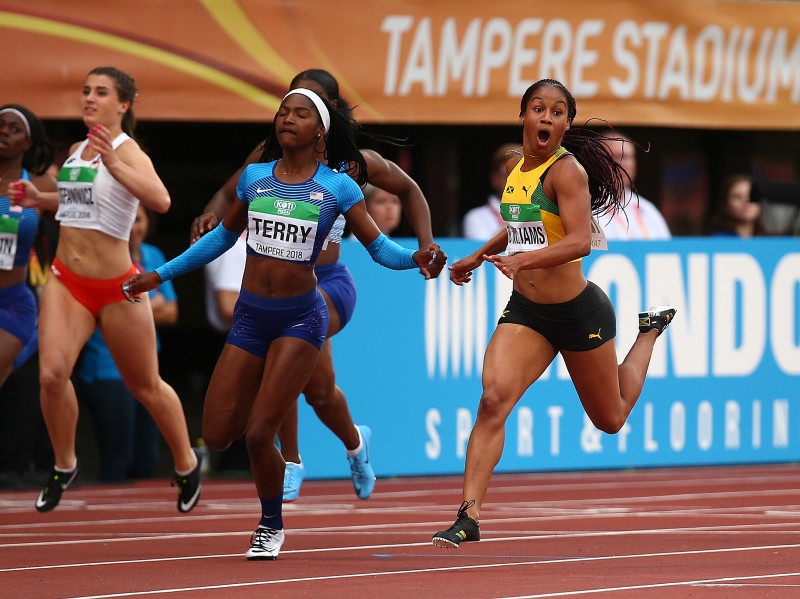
53,380
493,406
608,423
320,397
218,439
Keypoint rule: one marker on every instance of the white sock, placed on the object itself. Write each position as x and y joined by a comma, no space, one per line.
357,450
187,472
74,465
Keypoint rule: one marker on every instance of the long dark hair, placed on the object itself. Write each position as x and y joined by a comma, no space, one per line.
38,158
718,218
606,177
341,151
127,91
328,83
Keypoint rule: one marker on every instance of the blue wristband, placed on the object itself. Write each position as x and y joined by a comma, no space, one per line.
387,253
210,246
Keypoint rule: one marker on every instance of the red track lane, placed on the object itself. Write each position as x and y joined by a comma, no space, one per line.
693,532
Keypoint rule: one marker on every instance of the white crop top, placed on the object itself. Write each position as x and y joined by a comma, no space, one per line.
90,198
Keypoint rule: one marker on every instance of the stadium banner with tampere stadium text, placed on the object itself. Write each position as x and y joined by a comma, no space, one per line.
728,64
722,387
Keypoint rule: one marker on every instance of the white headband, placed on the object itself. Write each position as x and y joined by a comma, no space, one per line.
323,112
20,115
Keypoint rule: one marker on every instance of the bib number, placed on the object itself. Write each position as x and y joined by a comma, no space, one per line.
524,227
599,241
75,195
9,228
285,229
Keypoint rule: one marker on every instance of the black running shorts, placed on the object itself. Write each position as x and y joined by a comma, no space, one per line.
581,324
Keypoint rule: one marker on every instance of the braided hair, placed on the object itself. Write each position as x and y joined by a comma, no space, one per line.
341,151
38,158
127,91
606,177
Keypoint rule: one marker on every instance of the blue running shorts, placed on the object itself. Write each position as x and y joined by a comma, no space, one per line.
258,321
18,311
335,280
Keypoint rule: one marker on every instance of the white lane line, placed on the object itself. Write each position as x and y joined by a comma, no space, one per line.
488,566
245,534
76,504
407,528
659,585
116,521
505,481
748,585
347,507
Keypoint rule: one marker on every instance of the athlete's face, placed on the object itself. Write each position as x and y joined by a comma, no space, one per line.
545,121
14,140
298,123
100,102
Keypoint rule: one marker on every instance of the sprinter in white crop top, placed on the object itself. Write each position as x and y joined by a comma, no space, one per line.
100,187
89,197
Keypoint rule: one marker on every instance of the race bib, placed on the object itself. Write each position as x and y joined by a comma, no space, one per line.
285,229
599,241
524,226
75,201
9,228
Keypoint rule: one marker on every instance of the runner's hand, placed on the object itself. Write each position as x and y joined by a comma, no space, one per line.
202,225
461,271
436,264
139,283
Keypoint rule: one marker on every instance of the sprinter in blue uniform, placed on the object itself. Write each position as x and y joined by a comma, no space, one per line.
288,205
25,154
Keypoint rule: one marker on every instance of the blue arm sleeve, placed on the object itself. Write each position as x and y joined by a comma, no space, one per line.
387,253
210,246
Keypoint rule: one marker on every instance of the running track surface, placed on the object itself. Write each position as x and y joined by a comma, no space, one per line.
695,532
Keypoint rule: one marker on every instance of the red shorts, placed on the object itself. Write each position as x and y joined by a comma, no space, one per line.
91,293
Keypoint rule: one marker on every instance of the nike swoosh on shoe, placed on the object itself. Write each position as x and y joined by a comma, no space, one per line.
185,507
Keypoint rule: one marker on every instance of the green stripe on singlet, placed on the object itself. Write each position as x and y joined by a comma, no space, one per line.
286,208
81,174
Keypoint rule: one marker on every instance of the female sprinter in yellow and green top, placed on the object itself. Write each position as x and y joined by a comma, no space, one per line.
563,177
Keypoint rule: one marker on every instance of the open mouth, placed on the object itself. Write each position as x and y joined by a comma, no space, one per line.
544,136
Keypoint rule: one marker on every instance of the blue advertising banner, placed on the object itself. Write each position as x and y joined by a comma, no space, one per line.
722,385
